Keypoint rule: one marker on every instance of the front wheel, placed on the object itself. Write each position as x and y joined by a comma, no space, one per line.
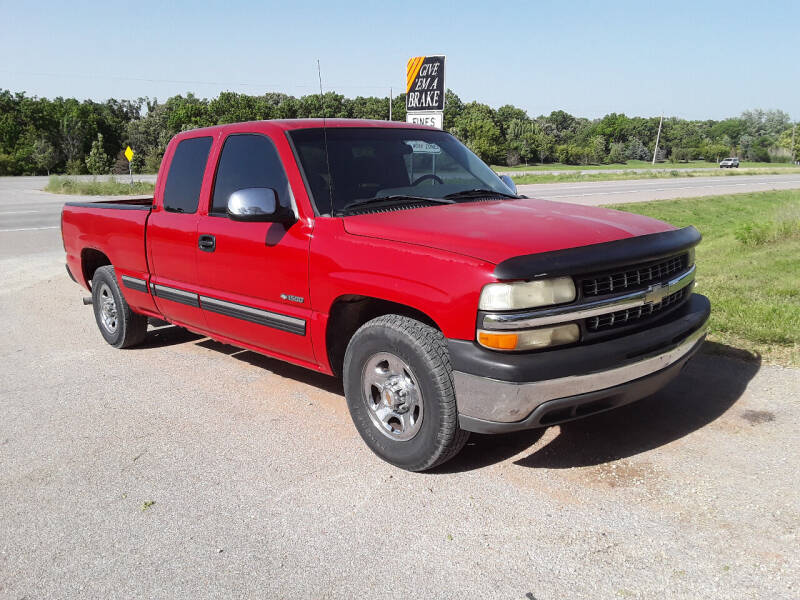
399,387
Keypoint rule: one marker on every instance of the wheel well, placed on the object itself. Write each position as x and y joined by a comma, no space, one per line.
348,313
91,260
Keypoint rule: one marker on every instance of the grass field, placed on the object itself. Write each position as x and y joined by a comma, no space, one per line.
96,187
578,177
748,264
639,164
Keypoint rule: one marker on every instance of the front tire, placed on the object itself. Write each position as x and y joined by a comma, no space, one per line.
119,325
399,387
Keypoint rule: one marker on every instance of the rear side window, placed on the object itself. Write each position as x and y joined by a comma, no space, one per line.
248,161
185,177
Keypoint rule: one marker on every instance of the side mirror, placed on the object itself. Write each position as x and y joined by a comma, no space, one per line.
509,183
257,204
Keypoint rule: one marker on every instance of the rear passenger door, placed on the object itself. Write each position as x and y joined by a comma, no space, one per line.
172,235
255,275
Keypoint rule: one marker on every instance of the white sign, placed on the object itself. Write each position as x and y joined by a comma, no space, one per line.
420,147
431,119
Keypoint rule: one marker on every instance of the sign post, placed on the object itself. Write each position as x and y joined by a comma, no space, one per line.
129,156
425,91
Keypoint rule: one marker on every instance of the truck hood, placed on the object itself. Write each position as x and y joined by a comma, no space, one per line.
497,230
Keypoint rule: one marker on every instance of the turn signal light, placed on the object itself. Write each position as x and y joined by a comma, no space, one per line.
530,339
498,341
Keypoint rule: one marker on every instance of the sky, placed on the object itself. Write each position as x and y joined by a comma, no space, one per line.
697,60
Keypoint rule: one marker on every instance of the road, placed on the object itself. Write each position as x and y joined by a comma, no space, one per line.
595,193
190,469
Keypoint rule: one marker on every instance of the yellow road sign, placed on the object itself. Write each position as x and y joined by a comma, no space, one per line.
129,154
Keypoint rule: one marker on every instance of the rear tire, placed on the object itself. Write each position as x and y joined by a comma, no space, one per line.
399,387
119,325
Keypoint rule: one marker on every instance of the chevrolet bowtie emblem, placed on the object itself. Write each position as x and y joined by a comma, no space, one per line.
656,293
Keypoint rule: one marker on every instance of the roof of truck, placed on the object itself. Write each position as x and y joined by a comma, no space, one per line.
289,124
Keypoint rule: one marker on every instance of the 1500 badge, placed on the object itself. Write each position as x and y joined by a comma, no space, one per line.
291,298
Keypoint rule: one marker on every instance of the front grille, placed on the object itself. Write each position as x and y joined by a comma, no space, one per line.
633,277
629,316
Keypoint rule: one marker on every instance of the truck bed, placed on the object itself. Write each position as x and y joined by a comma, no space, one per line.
111,229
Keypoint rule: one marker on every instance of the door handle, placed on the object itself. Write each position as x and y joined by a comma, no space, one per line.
207,243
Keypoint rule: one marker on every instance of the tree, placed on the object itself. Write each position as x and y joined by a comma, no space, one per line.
98,162
476,127
597,149
636,150
45,155
73,134
521,137
616,153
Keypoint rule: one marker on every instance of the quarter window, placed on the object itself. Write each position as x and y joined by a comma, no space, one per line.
248,161
185,177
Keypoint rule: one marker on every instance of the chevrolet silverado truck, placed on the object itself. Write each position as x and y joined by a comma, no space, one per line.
390,255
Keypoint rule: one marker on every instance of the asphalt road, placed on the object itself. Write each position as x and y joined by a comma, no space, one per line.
595,193
190,469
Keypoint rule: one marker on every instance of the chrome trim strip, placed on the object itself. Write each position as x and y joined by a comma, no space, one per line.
174,294
134,283
508,402
254,315
506,321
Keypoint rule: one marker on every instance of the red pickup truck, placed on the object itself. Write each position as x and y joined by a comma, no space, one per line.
390,255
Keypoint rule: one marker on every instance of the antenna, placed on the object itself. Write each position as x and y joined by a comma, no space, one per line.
325,137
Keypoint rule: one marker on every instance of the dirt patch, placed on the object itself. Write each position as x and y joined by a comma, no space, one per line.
757,417
622,474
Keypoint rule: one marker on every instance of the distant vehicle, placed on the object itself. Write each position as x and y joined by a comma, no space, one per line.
391,255
729,163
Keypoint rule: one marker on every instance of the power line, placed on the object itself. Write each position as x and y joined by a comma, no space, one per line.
188,81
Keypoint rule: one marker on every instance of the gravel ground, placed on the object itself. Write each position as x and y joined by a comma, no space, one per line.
188,469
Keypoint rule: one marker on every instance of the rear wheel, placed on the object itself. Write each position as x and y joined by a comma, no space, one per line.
399,387
119,325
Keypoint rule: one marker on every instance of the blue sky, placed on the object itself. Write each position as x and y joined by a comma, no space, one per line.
690,59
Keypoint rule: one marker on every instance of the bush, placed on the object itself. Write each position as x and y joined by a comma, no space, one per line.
152,162
758,234
8,165
75,167
96,187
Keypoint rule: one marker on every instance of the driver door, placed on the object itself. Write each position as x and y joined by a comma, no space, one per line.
254,275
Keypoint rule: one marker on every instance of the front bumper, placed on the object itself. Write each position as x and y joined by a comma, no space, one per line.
498,393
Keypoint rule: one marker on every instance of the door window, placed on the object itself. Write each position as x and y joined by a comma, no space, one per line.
185,177
248,161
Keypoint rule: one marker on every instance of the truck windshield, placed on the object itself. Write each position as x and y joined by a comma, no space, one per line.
374,163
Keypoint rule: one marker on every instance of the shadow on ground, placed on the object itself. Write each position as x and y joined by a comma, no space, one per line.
171,335
708,386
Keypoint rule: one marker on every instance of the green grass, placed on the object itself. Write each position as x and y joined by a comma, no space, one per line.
639,164
97,187
752,280
578,177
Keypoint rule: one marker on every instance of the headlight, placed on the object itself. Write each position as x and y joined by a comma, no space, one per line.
690,258
529,339
527,294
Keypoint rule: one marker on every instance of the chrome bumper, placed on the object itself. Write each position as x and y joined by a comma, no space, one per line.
508,402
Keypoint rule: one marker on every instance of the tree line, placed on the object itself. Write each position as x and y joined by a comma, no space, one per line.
65,135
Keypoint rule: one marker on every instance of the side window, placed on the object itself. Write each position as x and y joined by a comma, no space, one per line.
248,161
185,177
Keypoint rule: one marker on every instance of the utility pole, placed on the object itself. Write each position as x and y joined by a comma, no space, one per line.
390,104
794,157
658,137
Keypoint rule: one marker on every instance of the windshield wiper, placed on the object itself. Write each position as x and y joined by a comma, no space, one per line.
391,199
478,193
